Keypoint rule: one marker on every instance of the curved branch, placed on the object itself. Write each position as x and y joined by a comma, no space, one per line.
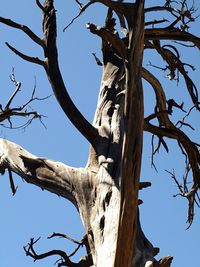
30,251
174,62
160,97
53,176
25,57
168,129
188,145
39,5
119,7
52,68
171,34
56,80
23,28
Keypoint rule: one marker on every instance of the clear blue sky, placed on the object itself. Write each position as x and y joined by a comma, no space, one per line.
32,212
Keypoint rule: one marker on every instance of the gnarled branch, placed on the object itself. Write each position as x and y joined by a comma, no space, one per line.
23,110
53,176
65,259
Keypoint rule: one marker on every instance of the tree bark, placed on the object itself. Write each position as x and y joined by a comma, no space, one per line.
105,192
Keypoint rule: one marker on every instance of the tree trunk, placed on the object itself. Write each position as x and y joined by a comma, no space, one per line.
106,191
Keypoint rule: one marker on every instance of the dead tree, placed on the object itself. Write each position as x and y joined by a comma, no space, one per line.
105,192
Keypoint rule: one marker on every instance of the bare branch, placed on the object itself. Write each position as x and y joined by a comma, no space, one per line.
144,185
172,103
12,185
52,68
25,57
158,8
21,111
18,86
191,195
169,130
160,97
97,60
30,251
53,176
186,45
84,241
56,80
188,145
23,28
79,3
155,22
184,124
39,5
174,63
64,236
119,7
171,34
153,153
109,37
64,261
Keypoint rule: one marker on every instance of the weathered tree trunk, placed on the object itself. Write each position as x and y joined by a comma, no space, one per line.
105,192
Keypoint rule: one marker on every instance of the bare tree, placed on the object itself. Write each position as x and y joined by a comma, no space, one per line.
105,192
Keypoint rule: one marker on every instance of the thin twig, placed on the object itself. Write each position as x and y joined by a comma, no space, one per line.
79,3
64,236
12,185
18,86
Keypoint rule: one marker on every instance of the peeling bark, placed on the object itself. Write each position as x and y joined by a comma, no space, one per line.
105,192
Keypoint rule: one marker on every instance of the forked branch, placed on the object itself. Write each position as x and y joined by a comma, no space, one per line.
7,112
64,261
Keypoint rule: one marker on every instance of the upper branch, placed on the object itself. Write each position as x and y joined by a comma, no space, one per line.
23,28
56,80
109,37
167,129
51,66
171,55
171,34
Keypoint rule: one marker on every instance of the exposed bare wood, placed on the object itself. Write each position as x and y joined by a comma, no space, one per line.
47,174
131,156
109,37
